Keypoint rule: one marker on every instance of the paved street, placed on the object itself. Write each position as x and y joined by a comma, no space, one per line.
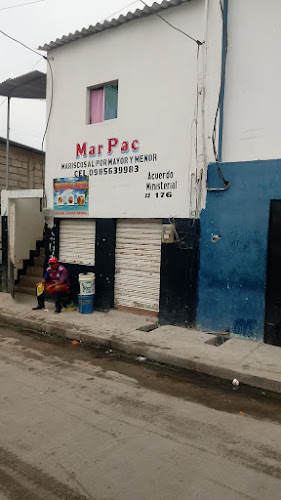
81,424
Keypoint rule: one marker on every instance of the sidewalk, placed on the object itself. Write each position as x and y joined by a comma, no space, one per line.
254,364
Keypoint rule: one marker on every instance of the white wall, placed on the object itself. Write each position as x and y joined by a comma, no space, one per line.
252,106
29,228
156,67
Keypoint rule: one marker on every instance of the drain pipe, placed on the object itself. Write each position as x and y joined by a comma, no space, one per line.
8,144
221,95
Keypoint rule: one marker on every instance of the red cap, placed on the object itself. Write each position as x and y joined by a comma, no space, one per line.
53,260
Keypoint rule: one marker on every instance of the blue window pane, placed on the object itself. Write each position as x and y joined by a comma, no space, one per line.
111,101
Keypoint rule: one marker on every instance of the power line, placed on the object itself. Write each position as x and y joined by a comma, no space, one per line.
36,64
4,100
23,44
51,104
22,4
172,26
45,132
126,7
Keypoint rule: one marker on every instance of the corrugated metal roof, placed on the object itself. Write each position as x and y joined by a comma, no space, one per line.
29,86
92,30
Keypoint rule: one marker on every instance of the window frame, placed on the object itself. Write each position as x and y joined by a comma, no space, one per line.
98,87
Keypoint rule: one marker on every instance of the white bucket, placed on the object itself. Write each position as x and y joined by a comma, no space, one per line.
87,283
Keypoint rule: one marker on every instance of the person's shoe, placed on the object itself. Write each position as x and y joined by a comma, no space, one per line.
37,308
57,310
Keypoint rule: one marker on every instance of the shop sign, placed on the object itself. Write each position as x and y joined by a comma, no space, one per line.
71,197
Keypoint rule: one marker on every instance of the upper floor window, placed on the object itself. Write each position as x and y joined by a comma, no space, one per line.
103,103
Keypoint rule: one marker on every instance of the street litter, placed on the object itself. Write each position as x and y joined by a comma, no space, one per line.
74,342
141,358
235,382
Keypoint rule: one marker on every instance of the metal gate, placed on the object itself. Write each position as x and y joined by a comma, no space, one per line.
137,264
77,241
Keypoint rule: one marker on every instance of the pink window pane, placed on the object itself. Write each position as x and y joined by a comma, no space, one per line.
97,106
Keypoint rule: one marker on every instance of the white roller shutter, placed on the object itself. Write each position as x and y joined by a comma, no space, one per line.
77,241
137,264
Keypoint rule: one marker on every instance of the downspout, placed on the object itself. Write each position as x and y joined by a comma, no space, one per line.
224,49
8,144
221,94
204,57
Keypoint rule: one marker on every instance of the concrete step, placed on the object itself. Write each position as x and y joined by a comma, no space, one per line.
25,290
29,281
35,271
39,260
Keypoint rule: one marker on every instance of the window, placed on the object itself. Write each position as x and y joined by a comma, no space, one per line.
103,103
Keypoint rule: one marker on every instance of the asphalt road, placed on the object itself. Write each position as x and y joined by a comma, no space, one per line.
81,424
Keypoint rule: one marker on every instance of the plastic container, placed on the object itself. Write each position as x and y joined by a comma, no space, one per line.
86,304
87,283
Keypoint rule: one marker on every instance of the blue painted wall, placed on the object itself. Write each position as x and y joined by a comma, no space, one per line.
232,275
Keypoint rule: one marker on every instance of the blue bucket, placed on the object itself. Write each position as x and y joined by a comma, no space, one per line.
86,304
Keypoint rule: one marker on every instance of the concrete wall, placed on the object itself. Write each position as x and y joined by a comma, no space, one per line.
232,276
25,168
252,107
29,228
158,70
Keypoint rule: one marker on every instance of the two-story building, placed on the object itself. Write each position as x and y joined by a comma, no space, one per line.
128,140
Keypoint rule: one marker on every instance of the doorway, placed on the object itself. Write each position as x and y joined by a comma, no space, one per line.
272,326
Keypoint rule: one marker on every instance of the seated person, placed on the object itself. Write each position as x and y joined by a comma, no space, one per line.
55,281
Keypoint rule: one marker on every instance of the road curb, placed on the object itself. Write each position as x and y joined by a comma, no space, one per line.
152,354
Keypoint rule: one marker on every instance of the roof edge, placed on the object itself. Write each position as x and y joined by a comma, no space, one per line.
114,23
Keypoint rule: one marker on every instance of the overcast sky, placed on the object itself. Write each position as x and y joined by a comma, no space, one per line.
34,25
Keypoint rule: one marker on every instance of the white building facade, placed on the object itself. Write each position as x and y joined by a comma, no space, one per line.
132,107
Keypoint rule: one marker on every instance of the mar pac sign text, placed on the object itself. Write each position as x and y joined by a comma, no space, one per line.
112,145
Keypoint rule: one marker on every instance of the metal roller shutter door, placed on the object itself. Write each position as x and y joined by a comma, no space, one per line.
77,241
137,264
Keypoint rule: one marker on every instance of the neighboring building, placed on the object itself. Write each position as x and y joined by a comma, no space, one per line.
25,166
25,172
121,153
240,274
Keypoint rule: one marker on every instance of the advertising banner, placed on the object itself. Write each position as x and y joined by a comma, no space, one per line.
71,197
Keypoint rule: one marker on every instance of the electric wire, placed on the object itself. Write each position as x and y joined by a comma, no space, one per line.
120,10
45,132
172,26
198,42
50,110
22,4
21,43
4,100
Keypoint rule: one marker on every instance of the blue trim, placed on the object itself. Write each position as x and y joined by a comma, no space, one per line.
225,10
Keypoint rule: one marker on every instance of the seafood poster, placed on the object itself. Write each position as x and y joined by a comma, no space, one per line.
71,197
